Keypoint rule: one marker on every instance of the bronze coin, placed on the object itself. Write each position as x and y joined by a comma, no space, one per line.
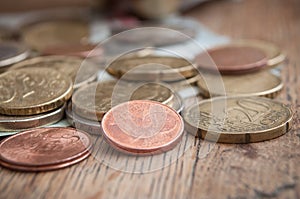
45,167
33,90
44,147
232,59
18,123
143,126
151,68
262,83
79,50
238,119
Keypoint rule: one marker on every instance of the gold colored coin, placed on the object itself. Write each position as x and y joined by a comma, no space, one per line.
79,70
274,54
32,91
178,85
47,34
238,119
152,68
93,101
263,83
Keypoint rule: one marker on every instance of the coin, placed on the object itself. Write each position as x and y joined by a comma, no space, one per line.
274,54
44,148
89,126
152,68
57,33
158,34
238,119
232,59
178,85
11,52
143,127
263,83
33,90
17,123
80,50
93,101
79,70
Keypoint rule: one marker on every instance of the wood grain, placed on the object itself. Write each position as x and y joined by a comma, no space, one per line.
269,169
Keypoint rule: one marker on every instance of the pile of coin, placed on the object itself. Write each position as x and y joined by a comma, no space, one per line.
242,70
138,111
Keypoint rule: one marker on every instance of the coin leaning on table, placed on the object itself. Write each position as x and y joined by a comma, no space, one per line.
238,119
32,90
81,71
44,149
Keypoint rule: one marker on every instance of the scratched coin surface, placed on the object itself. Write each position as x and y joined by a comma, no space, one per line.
232,59
33,90
79,70
238,119
151,68
44,147
47,34
11,53
94,100
262,83
143,127
18,123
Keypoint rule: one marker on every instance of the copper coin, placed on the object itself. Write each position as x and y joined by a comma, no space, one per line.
44,146
46,167
75,50
17,123
232,59
143,127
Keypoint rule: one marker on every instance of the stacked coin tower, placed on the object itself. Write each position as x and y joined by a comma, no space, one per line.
138,110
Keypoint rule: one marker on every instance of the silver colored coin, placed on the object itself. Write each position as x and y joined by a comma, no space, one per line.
18,123
11,53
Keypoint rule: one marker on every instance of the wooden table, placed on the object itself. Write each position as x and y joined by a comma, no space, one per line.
268,169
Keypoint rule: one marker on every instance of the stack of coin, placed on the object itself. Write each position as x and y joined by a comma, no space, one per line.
44,149
243,67
32,97
92,102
